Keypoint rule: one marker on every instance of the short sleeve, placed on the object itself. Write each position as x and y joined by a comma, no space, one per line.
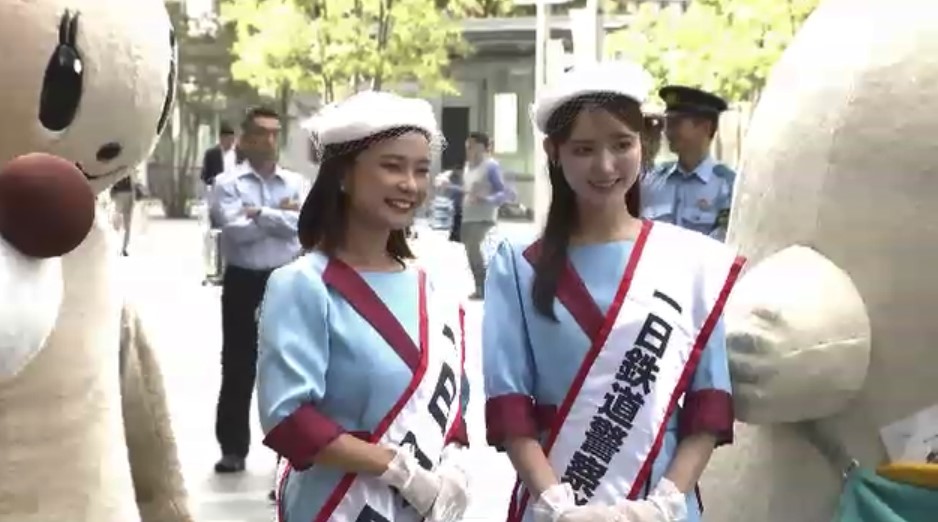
708,405
507,360
723,204
293,355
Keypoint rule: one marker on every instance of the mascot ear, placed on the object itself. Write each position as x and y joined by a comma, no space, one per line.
64,79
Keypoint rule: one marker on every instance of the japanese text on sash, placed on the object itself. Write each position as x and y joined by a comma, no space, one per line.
613,421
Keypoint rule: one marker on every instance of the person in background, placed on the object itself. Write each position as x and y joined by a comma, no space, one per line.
694,192
484,192
451,185
124,194
360,377
256,205
220,158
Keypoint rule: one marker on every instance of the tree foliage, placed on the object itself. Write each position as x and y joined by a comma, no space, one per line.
330,46
202,88
724,46
479,8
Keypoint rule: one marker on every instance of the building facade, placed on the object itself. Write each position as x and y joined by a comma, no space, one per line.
496,84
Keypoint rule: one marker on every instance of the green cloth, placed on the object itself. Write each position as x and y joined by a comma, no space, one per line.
868,497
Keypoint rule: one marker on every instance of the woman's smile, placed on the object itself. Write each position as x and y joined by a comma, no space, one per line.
604,185
402,205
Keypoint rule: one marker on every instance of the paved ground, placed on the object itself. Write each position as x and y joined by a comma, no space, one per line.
184,322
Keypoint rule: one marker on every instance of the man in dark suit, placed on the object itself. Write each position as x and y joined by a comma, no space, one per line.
221,157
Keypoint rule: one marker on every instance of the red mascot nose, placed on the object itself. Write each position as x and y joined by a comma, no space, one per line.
46,205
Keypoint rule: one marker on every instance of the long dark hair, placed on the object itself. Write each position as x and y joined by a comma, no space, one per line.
324,217
562,218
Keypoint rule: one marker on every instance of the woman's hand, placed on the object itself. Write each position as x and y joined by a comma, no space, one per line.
665,504
419,487
453,498
554,503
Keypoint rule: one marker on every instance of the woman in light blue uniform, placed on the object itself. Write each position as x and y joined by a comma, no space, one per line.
533,345
341,331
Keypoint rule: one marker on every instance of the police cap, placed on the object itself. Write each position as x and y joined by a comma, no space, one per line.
680,99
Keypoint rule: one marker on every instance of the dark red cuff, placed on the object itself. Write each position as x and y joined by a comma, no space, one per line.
302,435
458,433
708,411
509,416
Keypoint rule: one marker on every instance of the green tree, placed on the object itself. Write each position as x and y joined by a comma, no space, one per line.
331,46
202,89
725,46
481,8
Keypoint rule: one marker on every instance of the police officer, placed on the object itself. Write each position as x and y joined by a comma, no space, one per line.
694,192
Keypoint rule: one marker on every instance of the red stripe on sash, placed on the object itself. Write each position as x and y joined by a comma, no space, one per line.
345,280
573,294
516,511
699,344
367,308
459,425
281,487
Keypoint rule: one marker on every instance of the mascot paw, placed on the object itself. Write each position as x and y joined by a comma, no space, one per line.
798,339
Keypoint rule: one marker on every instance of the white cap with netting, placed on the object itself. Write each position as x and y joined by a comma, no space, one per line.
617,78
370,115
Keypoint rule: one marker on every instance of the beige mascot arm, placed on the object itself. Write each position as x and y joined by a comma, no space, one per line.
157,476
798,339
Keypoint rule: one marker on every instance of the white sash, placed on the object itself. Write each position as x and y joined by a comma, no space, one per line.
613,419
427,414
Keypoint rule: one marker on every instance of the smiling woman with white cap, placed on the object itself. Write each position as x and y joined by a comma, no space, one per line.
360,381
610,404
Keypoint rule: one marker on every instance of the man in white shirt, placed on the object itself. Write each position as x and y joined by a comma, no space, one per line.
256,205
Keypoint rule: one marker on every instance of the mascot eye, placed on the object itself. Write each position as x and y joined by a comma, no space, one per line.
171,86
62,85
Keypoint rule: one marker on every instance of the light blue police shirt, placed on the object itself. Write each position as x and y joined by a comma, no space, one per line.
699,200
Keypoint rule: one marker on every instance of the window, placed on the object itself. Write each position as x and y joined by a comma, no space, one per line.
506,123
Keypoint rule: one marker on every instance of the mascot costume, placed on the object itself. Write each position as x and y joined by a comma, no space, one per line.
832,334
86,86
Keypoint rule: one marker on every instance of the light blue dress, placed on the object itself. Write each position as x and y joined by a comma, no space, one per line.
528,357
323,370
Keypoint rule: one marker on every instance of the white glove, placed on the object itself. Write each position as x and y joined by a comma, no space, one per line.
665,504
453,499
553,502
593,514
418,486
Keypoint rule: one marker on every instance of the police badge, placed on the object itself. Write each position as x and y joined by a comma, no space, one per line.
723,218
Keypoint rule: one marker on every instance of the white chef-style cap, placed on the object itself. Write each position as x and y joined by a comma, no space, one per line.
618,78
371,114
